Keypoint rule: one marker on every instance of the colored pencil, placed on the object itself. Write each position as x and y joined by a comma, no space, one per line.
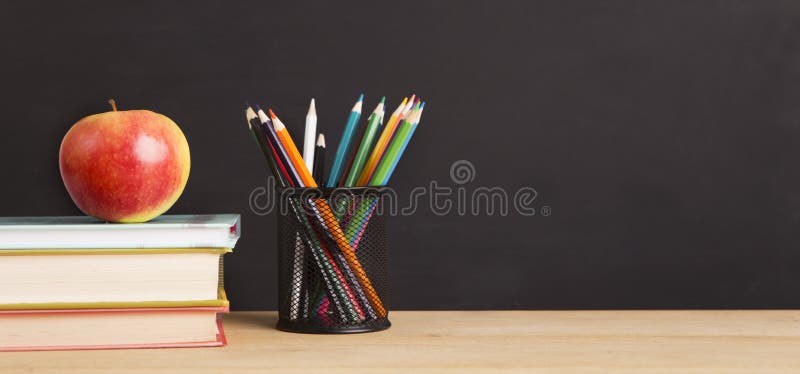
395,149
339,291
359,134
355,229
413,105
417,117
380,145
322,312
266,150
344,142
310,134
291,174
357,292
409,105
324,214
306,180
300,294
319,159
344,207
366,143
298,278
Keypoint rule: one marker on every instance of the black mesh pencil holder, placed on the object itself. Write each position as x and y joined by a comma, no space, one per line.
333,260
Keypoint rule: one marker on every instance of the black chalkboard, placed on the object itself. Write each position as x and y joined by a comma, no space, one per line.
656,142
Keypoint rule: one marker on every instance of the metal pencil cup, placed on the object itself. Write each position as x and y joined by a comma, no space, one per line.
332,260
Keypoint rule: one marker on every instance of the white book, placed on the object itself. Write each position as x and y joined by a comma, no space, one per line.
94,278
81,232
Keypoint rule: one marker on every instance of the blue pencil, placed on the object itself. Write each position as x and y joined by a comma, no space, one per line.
344,143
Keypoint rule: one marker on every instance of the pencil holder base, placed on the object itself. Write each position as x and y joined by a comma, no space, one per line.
333,261
314,328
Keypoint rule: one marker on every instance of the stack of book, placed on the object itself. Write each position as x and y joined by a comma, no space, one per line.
80,283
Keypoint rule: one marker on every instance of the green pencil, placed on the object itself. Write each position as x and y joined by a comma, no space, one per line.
366,143
395,149
356,226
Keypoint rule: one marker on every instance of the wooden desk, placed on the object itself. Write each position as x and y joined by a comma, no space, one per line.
468,342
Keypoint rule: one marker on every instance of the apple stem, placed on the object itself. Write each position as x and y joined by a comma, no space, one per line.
113,104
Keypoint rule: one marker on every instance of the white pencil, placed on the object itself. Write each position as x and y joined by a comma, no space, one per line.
310,136
298,291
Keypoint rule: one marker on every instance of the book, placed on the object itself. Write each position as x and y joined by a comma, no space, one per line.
66,329
92,278
81,283
83,232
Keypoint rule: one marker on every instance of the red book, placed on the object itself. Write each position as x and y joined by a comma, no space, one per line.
66,329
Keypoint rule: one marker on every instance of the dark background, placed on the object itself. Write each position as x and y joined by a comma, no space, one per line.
661,135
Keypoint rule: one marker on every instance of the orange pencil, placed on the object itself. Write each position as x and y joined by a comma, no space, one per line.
291,149
326,214
380,145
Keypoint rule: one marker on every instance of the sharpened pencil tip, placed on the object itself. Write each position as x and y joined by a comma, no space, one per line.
383,100
400,107
379,109
409,105
357,106
276,122
249,115
312,109
262,116
321,140
360,97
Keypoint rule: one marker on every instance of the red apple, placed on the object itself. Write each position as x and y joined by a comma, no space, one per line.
124,166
